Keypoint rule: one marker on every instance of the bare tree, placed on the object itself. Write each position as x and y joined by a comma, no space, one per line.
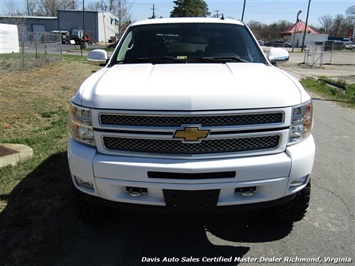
340,26
12,8
97,6
350,11
119,8
326,22
123,14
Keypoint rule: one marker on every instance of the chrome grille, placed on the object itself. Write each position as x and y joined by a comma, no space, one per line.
211,146
177,121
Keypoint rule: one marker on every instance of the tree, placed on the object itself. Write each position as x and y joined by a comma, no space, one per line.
50,7
350,12
340,26
190,8
123,14
119,8
269,32
326,22
12,8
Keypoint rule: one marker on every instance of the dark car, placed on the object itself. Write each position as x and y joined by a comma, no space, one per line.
281,44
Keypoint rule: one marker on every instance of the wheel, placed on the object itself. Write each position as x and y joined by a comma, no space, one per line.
294,210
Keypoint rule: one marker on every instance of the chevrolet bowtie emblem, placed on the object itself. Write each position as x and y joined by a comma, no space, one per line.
191,134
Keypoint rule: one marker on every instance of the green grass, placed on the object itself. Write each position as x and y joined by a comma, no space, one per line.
344,96
37,219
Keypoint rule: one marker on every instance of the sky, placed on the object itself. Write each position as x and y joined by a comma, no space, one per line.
264,11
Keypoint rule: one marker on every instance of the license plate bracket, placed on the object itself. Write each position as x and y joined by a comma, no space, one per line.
184,200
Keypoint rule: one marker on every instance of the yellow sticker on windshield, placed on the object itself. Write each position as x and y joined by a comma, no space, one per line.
181,57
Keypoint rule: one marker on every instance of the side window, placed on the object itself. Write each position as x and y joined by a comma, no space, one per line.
126,47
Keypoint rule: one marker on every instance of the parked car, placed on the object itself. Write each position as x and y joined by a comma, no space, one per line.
281,44
76,39
350,46
64,35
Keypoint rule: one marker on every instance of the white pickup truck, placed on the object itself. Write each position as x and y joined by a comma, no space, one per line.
189,115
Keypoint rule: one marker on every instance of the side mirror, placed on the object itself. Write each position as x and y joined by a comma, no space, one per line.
97,57
278,55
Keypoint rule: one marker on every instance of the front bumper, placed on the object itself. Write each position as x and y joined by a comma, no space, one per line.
112,176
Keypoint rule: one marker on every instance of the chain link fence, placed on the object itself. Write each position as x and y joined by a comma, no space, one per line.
319,53
36,49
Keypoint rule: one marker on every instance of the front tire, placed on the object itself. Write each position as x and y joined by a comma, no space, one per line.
294,210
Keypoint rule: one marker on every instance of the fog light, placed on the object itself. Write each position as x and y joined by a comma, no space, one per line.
299,182
83,183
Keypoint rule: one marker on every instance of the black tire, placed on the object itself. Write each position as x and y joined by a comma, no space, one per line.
294,210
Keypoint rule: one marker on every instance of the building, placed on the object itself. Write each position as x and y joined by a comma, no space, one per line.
294,35
101,26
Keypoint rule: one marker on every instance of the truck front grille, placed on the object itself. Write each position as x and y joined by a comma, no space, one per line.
209,146
177,121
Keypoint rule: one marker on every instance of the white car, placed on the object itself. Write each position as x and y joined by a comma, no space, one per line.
189,115
350,46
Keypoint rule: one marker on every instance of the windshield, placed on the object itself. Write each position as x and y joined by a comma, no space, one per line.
188,43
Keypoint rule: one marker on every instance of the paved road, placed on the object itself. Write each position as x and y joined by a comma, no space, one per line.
326,233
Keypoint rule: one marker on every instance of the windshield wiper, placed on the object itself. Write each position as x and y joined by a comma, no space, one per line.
153,60
168,59
157,59
213,59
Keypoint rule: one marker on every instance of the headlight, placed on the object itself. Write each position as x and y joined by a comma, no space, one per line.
302,122
80,125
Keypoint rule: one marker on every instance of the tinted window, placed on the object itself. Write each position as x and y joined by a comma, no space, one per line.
188,41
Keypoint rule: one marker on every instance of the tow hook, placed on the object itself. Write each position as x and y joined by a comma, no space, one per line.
245,191
136,191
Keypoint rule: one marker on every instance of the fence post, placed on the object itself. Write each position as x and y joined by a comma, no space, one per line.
23,51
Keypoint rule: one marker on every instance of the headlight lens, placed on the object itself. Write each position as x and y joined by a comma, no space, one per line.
302,122
80,125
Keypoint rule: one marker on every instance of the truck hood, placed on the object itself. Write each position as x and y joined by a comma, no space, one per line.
189,87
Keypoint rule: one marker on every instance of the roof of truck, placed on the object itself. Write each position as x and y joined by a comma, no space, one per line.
187,20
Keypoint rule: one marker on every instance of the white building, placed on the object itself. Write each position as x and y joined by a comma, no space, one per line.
101,26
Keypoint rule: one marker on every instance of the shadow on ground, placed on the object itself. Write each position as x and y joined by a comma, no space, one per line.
39,227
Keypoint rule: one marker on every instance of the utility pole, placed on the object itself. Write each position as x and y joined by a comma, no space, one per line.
245,1
305,27
153,16
294,31
217,13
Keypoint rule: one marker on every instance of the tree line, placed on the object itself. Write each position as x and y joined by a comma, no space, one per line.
334,26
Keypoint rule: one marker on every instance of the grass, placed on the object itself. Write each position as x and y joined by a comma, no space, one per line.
345,96
36,215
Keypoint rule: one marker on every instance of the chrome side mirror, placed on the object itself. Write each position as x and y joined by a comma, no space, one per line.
97,57
278,55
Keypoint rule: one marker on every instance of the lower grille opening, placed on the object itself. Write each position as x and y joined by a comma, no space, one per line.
230,174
